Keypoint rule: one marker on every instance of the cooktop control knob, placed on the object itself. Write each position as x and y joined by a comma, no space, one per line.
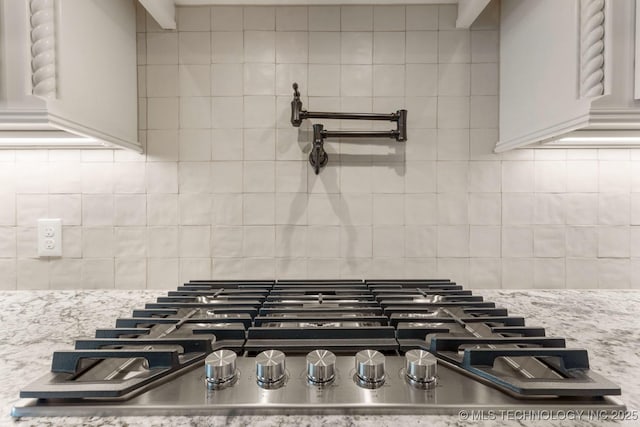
421,367
369,368
321,366
220,368
270,368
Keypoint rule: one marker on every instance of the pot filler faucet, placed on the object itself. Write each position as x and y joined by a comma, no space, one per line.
318,156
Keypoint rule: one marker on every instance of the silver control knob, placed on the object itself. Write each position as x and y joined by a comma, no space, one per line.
421,367
270,367
321,366
370,367
220,367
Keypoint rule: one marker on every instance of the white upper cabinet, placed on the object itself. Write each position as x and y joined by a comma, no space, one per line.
567,73
68,73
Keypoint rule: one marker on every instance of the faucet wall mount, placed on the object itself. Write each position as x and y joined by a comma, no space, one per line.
318,156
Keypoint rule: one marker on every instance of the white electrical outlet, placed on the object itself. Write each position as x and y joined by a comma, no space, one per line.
49,237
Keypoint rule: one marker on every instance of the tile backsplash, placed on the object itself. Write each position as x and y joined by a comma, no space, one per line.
225,190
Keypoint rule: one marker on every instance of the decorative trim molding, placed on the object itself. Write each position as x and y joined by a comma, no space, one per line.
43,48
592,48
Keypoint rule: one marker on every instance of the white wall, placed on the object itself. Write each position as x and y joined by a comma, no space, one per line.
225,190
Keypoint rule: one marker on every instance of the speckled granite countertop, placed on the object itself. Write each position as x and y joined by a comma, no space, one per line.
35,323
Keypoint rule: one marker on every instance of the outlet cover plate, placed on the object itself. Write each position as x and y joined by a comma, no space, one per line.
49,237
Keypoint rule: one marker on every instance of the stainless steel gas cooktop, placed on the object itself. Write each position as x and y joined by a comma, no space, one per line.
374,346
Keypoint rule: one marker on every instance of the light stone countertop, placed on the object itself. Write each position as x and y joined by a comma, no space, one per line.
35,323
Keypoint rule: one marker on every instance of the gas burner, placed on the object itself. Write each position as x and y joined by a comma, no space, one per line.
380,346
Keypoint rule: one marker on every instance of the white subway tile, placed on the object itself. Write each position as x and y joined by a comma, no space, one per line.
615,177
97,210
29,208
259,177
517,273
420,209
194,145
97,273
483,112
422,47
614,208
453,208
195,209
550,176
356,268
291,268
356,80
8,242
420,177
485,273
162,242
420,241
227,47
259,79
389,80
227,268
162,113
388,209
129,273
454,79
455,268
292,47
453,112
452,176
97,178
130,209
324,18
226,18
613,242
549,273
65,273
227,79
162,209
355,209
130,242
7,274
195,177
98,242
634,242
226,144
291,241
388,241
484,46
195,113
162,80
581,209
291,208
356,18
582,242
162,146
259,18
71,242
389,47
388,177
129,177
614,273
194,47
227,209
162,273
581,273
484,241
259,46
32,274
27,242
291,176
517,208
227,242
356,48
326,182
485,209
484,79
64,177
286,75
226,177
454,46
259,209
195,241
259,268
517,242
549,241
356,242
421,79
259,111
582,176
162,177
322,242
422,17
193,18
162,48
191,268
549,208
453,241
389,18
